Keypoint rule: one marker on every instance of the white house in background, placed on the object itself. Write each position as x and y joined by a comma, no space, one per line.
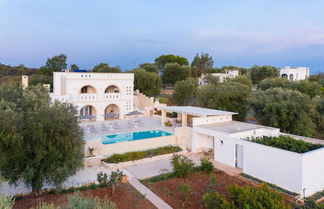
294,74
221,76
214,131
95,94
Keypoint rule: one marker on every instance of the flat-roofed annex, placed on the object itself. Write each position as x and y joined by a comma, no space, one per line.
196,111
234,127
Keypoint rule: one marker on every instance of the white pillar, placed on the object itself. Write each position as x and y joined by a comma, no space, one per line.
163,113
184,120
194,139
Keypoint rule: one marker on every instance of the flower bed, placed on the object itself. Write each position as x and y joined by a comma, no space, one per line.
131,156
286,143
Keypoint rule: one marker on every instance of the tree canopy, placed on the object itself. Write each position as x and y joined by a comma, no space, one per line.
162,60
54,64
287,109
147,82
185,92
149,67
309,88
105,68
230,96
203,62
40,142
259,73
74,67
174,72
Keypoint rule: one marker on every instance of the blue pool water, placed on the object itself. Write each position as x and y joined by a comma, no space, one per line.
132,136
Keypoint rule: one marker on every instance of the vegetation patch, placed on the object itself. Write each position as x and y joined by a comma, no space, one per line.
131,156
286,143
270,185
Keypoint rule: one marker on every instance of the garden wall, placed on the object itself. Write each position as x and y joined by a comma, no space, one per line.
280,167
313,171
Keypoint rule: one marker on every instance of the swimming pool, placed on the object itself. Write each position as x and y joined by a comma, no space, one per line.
132,136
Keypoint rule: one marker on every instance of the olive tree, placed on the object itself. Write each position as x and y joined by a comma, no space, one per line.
230,96
40,141
287,109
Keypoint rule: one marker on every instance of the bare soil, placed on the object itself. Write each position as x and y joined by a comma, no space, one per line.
200,183
125,197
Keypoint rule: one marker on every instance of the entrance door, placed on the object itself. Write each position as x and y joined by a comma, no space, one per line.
239,156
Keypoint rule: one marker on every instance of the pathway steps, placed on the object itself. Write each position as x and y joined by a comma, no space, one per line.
151,196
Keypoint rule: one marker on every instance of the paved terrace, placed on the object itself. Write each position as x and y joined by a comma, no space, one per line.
96,129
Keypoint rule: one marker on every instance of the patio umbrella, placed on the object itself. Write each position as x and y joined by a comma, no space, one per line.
135,113
85,117
111,114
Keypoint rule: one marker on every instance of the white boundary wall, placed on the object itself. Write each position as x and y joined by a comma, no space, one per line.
289,170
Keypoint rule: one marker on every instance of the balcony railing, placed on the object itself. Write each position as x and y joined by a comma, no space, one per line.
87,97
111,96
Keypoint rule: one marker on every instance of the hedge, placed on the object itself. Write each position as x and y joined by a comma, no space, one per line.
286,143
130,156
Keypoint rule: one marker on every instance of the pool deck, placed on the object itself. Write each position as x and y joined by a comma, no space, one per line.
149,123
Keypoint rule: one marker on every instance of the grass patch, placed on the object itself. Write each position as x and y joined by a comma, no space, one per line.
270,185
286,143
131,156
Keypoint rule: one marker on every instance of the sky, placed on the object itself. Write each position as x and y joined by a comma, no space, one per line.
129,32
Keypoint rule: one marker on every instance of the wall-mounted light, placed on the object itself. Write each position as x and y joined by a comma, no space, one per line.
222,142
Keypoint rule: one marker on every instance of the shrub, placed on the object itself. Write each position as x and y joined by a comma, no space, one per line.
6,202
286,143
206,165
46,206
168,124
102,177
115,178
130,156
182,165
79,201
215,200
163,100
185,190
245,197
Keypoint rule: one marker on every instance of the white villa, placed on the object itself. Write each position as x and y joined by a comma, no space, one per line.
221,76
95,94
194,129
294,74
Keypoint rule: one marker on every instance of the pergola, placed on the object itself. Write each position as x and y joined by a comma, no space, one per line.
191,111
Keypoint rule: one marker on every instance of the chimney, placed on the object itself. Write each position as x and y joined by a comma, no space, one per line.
24,81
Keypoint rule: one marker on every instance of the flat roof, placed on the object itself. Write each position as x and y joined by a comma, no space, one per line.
234,127
196,111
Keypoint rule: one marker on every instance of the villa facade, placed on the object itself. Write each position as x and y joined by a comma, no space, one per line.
221,76
294,74
97,96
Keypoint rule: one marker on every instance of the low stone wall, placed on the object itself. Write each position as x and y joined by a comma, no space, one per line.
92,161
137,162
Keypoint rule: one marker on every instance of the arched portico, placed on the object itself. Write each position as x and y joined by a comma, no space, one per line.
112,89
284,76
87,90
88,110
291,77
112,108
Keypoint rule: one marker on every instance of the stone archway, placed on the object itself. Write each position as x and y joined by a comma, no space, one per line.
112,89
112,108
88,110
284,76
88,90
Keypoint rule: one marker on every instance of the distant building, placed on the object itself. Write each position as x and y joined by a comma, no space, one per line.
221,76
294,74
95,94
